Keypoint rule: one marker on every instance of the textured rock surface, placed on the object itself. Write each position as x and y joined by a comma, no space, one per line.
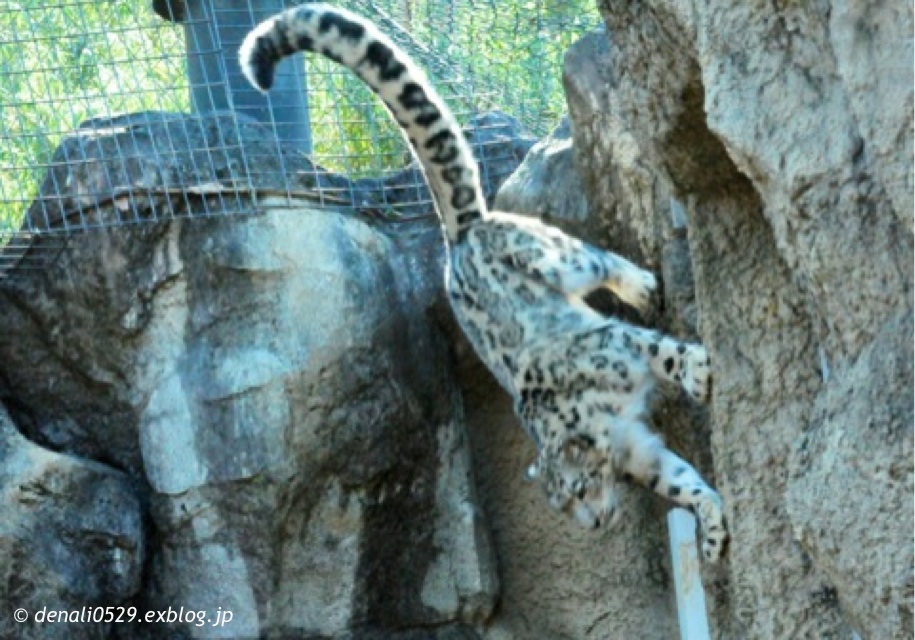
548,185
797,190
275,386
272,385
71,536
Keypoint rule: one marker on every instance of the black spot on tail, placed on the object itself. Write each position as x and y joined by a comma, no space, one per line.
305,43
453,175
428,118
509,363
462,196
442,146
346,28
382,58
263,59
414,98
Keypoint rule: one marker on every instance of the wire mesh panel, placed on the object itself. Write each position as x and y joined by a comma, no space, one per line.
117,112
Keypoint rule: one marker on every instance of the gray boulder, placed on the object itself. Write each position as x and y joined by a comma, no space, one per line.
71,540
547,183
276,388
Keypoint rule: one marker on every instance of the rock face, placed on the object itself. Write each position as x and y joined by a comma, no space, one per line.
265,401
71,535
548,185
277,392
763,130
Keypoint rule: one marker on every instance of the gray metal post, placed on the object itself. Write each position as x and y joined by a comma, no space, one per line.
213,31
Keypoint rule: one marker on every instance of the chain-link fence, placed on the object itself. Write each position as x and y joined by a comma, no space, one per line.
122,111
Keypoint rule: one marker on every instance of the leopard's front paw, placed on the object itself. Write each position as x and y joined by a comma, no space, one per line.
696,374
637,288
713,527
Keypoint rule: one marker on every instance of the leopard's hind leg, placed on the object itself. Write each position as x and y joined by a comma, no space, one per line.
574,466
574,267
579,480
615,344
681,363
645,459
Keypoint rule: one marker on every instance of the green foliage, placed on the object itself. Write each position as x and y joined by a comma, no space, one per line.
511,51
352,131
62,64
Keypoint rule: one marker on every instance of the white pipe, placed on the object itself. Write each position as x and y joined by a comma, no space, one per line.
687,578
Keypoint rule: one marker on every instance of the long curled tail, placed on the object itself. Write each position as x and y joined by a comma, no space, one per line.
429,125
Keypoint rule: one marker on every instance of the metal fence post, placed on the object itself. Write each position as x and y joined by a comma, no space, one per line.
213,31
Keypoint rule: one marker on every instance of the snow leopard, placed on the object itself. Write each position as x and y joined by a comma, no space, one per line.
580,381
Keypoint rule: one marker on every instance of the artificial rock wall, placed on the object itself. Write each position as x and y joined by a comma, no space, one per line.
784,134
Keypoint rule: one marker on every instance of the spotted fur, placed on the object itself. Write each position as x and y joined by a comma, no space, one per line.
580,381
